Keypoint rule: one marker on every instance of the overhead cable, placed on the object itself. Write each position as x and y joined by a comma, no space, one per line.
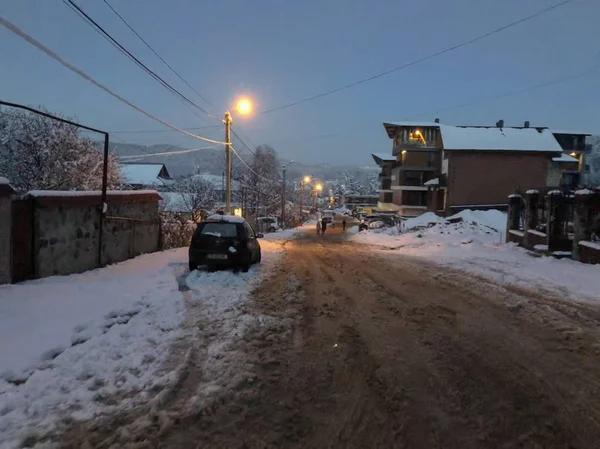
84,16
155,52
422,59
87,77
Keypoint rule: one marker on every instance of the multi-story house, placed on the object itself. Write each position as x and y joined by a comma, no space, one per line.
575,171
445,168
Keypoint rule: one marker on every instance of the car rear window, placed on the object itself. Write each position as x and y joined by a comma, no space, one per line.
219,229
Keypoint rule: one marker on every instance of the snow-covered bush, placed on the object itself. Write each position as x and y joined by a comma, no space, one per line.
40,153
175,230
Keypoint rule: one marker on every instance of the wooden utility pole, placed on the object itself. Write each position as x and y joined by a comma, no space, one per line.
228,123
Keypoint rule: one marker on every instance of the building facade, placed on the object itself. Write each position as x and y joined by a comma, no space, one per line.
444,169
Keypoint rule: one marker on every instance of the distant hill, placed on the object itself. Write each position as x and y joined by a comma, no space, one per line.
213,162
182,164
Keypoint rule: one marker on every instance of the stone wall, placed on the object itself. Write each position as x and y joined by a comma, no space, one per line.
66,230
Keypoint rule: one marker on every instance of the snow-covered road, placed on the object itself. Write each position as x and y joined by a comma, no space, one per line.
87,345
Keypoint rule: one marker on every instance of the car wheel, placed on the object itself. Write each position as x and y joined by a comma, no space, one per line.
271,229
259,258
245,265
193,266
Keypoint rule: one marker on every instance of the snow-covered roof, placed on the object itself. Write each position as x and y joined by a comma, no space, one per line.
415,124
572,131
384,156
4,181
227,218
565,158
432,182
498,139
144,174
216,180
73,193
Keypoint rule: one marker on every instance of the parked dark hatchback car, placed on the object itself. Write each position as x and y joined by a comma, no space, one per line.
224,241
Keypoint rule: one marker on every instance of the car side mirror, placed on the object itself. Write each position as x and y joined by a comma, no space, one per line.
260,236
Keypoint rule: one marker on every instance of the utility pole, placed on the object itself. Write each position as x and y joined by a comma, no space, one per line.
283,200
228,122
301,197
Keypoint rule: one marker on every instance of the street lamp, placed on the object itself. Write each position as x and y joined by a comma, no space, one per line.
244,108
306,180
318,188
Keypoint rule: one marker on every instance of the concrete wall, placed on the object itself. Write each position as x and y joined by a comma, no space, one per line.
5,239
67,230
554,174
484,178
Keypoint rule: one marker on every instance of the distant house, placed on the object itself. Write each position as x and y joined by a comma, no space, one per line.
445,168
142,175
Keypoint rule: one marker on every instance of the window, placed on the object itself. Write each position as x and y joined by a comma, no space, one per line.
417,198
219,229
387,197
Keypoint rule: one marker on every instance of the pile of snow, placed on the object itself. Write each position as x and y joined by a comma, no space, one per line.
72,346
289,234
476,245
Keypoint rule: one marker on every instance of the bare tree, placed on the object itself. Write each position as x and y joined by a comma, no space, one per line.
194,195
37,152
263,183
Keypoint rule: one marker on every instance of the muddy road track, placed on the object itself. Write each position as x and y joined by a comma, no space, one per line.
392,352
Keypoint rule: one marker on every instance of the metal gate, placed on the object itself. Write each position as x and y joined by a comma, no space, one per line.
22,228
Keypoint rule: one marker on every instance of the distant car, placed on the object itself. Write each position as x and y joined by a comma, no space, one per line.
328,216
224,241
268,224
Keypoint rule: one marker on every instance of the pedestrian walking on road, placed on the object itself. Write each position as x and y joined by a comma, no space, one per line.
323,225
344,224
318,227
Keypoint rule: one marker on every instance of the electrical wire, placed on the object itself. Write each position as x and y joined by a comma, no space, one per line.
250,168
166,153
243,143
163,130
422,59
87,77
155,52
84,16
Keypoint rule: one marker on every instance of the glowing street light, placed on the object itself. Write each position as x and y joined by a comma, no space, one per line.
319,187
244,106
307,179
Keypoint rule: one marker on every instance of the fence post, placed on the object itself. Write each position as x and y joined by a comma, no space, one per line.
531,214
556,217
582,221
515,202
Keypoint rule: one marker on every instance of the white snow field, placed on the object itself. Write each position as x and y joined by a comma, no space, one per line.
86,345
476,245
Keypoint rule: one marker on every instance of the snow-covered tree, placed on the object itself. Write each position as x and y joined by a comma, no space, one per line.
593,159
37,152
263,183
195,195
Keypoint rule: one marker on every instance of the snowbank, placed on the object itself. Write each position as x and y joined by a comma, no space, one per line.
69,343
288,234
476,245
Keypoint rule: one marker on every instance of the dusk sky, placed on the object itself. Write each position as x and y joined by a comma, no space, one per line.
280,51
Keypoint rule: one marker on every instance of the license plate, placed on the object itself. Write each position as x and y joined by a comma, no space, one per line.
217,256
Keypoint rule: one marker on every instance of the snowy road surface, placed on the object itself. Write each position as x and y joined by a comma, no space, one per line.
344,346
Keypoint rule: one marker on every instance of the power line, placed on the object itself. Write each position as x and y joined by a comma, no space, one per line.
423,59
166,153
243,143
516,92
163,130
154,51
251,170
87,77
82,14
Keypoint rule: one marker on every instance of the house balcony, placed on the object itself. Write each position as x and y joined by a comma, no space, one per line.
413,146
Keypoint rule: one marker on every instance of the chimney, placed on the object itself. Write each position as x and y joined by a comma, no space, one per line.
437,120
500,124
527,124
